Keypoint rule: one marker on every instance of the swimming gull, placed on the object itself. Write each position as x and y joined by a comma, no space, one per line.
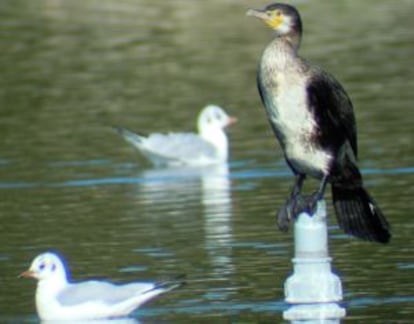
59,299
209,146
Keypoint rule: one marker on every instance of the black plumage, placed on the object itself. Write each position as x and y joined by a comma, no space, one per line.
313,119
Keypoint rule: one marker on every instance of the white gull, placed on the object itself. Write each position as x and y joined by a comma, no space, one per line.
209,146
59,299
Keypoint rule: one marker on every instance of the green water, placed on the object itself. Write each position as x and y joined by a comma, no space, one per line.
72,69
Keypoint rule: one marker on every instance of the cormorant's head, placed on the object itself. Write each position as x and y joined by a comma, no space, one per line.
282,18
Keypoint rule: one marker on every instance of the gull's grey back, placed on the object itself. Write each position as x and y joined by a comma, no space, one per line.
106,292
180,145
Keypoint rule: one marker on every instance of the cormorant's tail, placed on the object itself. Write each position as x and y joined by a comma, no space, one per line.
358,214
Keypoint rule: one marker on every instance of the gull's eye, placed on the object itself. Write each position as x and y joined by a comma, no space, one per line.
53,267
42,266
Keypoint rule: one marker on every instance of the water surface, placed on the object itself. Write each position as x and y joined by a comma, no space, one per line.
72,69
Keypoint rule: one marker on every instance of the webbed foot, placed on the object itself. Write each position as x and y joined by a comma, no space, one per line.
310,203
298,203
293,207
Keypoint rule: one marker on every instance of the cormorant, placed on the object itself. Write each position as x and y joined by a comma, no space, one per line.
312,117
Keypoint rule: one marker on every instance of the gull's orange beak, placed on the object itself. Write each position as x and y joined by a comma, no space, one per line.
231,121
27,274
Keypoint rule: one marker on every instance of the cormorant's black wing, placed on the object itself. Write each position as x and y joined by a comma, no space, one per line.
332,110
260,88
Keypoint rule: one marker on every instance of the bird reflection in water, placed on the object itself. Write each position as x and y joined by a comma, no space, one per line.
185,190
107,321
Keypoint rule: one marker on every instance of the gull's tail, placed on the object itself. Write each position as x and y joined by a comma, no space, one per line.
170,283
141,297
129,136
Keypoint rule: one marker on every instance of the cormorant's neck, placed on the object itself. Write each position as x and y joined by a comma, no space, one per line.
280,53
292,39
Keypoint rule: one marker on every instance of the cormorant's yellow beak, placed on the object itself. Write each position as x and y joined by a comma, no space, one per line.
272,18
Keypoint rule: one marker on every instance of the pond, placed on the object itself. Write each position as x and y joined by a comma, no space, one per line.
73,69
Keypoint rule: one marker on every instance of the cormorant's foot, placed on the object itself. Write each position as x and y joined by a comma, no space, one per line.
310,203
293,207
283,218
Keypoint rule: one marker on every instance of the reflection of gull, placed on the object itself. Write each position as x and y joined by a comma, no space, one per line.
180,187
174,186
209,146
217,214
169,184
217,203
102,321
57,299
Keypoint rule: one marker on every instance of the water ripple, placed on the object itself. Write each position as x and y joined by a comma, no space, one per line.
239,175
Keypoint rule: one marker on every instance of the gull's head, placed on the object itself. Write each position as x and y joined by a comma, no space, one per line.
46,266
282,18
214,118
